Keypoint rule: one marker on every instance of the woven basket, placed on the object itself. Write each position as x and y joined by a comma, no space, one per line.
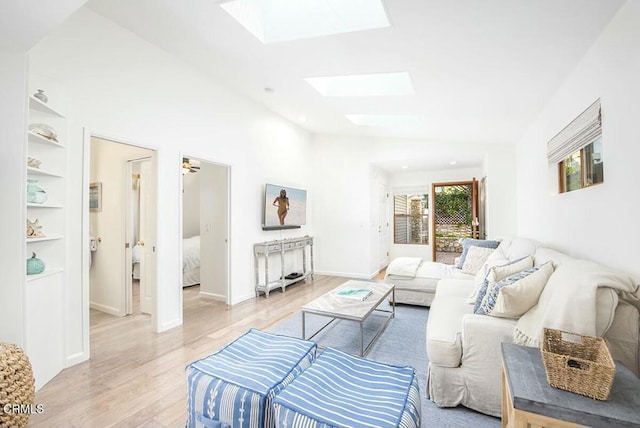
576,363
16,385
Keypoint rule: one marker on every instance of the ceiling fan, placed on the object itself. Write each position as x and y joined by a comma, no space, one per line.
189,166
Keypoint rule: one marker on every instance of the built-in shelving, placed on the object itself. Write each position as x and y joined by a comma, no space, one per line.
37,105
47,272
45,238
38,171
44,293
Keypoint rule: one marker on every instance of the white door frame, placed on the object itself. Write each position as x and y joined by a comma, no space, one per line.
228,226
86,253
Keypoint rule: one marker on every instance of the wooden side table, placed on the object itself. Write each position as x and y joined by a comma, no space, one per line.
529,401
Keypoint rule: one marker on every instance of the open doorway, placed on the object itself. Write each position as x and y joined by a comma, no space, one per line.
205,232
455,216
122,218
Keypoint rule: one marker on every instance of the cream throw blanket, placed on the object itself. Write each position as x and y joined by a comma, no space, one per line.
404,266
568,301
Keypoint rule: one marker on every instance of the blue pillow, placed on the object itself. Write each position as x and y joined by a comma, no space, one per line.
469,242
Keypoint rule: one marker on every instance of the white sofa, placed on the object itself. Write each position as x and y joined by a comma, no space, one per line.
464,348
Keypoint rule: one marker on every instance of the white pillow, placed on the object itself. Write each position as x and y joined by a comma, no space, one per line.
476,256
497,272
513,296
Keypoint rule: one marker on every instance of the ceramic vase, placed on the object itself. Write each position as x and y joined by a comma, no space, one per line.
34,265
35,193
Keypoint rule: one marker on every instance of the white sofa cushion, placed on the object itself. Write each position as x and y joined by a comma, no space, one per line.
543,255
444,342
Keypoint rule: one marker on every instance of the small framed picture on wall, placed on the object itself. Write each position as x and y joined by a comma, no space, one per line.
95,197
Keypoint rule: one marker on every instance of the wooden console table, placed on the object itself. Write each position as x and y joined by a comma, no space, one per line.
529,401
264,249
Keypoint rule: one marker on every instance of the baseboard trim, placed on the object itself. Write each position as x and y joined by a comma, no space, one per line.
213,296
106,309
242,298
169,325
345,274
77,358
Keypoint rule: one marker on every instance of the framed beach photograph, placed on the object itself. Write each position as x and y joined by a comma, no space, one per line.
95,197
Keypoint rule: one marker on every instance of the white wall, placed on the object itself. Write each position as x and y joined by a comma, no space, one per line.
600,222
191,205
500,192
13,125
420,182
122,87
107,274
342,169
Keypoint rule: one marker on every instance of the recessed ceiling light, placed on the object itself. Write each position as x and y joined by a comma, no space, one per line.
282,20
453,163
363,85
385,120
404,167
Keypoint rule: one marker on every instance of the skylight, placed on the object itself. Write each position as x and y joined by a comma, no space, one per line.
282,20
385,120
363,85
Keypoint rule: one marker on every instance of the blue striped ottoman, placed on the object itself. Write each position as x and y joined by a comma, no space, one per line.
340,390
235,386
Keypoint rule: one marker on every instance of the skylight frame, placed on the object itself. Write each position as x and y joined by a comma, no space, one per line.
386,120
272,21
397,83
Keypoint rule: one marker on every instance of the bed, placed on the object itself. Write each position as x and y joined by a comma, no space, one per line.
416,279
190,261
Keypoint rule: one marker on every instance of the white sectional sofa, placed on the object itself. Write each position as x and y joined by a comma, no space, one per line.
579,296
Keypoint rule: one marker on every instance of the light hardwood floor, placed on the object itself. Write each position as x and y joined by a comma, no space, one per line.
136,378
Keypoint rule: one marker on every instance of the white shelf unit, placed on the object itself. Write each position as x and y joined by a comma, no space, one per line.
44,292
50,177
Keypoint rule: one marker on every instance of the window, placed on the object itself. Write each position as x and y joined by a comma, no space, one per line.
583,168
577,151
411,219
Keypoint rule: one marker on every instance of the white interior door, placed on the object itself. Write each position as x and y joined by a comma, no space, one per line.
383,227
148,223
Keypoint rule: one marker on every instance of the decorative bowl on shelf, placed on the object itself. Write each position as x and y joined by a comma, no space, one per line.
35,193
44,130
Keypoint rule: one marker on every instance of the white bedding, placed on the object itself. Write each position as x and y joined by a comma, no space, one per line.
190,261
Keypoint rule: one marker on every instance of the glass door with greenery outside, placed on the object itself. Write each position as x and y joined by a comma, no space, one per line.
455,216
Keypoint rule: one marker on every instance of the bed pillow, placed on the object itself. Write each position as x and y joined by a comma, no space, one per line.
516,294
469,242
476,257
497,273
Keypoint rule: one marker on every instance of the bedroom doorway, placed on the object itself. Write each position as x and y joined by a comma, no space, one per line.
205,232
455,216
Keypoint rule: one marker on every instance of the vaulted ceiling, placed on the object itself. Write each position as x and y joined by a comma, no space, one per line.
481,70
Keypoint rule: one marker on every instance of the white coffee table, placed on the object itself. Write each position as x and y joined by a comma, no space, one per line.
340,308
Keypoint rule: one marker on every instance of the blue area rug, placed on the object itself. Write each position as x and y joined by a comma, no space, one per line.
402,344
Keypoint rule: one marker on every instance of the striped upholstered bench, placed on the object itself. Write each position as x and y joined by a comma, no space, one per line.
340,390
235,386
